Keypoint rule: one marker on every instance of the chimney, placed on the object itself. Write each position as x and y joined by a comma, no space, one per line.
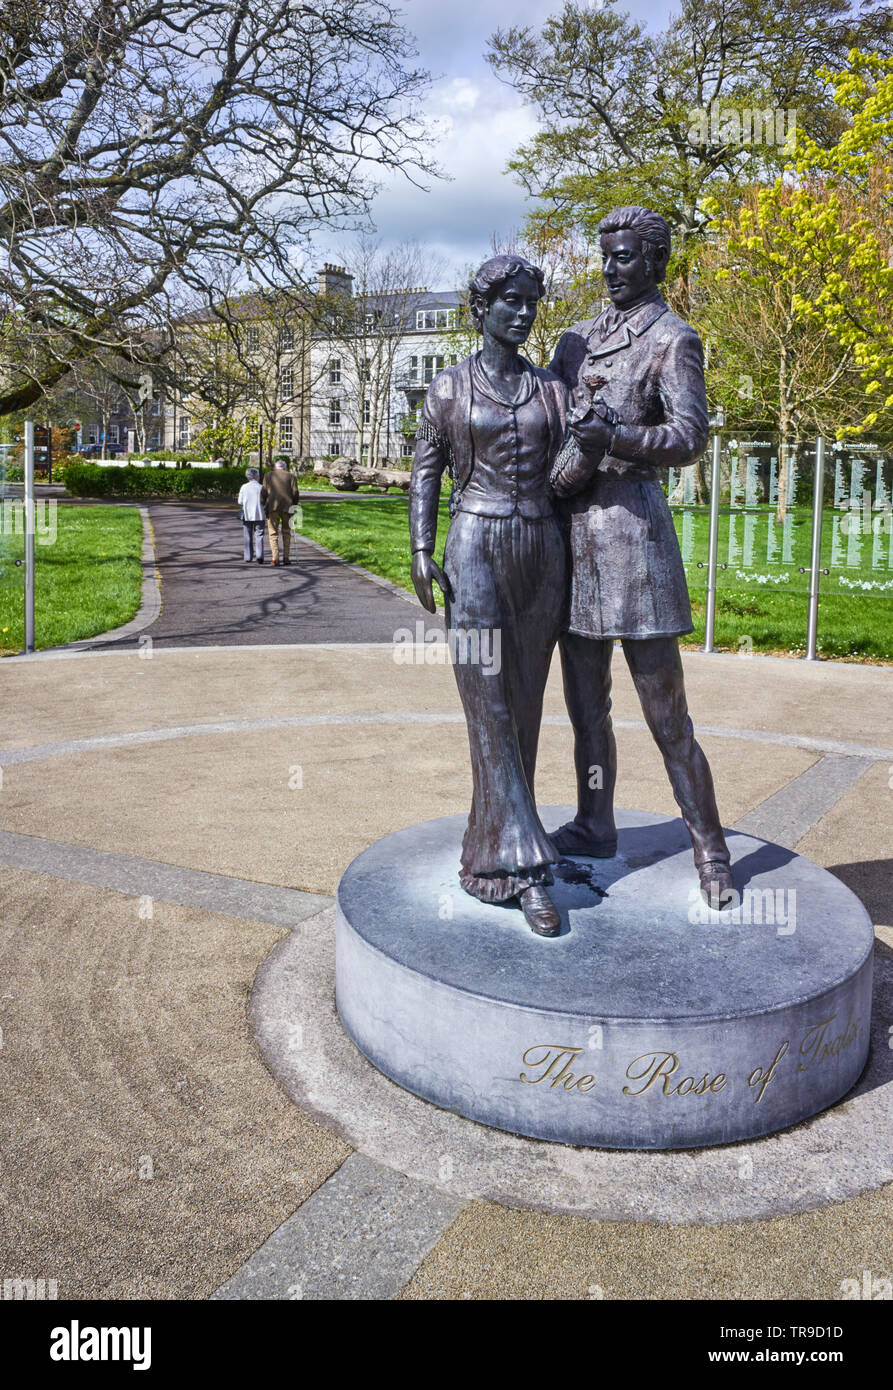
334,279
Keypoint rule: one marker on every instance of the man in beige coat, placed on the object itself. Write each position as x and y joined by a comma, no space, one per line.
280,496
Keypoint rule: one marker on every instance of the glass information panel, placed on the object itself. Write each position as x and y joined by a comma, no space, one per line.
765,541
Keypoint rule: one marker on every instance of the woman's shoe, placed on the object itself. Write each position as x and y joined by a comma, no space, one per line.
540,911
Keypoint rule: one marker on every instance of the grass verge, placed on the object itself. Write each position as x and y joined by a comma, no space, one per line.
87,572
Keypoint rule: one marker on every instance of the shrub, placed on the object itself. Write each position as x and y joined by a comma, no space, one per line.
92,480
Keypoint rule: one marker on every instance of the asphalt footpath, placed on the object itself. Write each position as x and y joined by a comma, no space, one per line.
211,597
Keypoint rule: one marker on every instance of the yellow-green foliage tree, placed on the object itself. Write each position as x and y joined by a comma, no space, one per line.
797,288
856,302
775,358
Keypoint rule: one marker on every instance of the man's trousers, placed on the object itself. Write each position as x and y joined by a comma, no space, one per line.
655,665
274,521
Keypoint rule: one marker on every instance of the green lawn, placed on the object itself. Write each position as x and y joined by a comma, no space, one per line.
762,596
87,574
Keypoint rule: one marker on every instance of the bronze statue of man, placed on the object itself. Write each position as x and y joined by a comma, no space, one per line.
628,582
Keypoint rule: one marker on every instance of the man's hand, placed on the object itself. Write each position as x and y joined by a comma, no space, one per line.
593,434
424,570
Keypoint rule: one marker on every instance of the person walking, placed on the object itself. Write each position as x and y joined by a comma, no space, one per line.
251,513
280,496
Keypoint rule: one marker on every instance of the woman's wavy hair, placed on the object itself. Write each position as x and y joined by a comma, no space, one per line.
489,279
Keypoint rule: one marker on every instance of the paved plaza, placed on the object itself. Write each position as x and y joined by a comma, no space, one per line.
173,812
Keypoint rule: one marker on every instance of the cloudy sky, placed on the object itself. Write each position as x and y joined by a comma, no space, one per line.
480,122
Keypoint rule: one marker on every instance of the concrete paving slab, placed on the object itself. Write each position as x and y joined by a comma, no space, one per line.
146,878
122,690
359,1236
854,839
787,816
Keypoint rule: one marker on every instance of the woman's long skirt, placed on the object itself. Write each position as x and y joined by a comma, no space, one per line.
509,582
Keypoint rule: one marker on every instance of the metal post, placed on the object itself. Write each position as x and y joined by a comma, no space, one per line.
29,536
713,546
818,488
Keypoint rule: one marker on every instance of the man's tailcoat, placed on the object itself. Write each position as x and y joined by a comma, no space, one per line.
628,578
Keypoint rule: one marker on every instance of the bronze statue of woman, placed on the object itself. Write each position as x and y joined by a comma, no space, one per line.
497,422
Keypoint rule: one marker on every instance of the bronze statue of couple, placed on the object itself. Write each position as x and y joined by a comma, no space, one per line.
560,533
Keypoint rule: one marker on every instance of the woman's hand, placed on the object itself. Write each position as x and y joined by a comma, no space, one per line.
424,570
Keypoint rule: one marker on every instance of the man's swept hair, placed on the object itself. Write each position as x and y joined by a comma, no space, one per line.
653,230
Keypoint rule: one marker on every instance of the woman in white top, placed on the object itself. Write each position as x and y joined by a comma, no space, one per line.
253,518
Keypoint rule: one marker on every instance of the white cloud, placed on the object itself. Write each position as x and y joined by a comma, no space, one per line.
478,121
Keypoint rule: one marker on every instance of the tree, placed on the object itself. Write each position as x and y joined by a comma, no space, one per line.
246,356
798,290
856,307
367,331
149,147
668,120
771,358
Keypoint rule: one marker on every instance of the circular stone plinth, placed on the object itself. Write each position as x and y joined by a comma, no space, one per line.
650,1023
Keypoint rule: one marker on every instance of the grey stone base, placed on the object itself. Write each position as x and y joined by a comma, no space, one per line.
838,1154
650,1023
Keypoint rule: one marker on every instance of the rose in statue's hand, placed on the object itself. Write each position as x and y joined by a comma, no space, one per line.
590,430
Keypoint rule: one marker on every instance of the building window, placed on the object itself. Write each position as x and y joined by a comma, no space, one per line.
252,337
364,452
155,439
156,402
287,384
435,318
334,411
335,371
407,449
113,434
367,412
364,370
335,450
286,433
184,431
287,340
432,365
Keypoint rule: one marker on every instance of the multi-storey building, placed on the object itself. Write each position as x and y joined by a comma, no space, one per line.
344,379
369,378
